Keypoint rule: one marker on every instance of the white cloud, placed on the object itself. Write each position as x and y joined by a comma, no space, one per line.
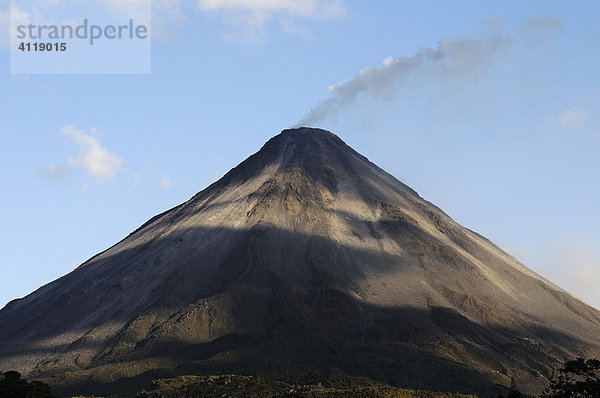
55,172
574,266
246,27
93,157
574,118
124,7
247,18
292,28
4,27
136,180
18,16
139,10
317,9
164,182
73,263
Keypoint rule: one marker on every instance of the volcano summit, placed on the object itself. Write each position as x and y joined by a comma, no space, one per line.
305,256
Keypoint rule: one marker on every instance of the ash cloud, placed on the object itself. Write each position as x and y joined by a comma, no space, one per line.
466,58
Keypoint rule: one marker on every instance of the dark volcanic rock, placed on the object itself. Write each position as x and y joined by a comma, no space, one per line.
306,255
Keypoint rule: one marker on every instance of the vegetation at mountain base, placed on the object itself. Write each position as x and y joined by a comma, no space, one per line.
13,386
334,384
579,378
514,394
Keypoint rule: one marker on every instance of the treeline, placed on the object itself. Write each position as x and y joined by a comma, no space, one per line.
579,378
260,387
13,386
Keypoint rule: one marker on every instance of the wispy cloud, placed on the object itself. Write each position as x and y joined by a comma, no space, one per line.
4,26
96,160
295,29
165,183
574,118
55,172
318,9
73,263
125,7
136,180
7,13
247,18
575,266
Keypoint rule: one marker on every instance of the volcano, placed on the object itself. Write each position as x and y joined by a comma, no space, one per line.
304,256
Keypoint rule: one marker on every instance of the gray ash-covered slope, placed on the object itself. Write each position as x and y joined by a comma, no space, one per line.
306,255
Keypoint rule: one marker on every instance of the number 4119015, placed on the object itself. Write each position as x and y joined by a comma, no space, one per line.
43,47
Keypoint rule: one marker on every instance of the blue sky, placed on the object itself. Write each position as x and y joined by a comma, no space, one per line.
500,130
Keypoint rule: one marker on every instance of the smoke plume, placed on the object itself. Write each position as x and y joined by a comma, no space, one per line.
467,57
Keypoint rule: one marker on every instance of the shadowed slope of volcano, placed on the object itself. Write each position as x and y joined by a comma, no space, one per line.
305,254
